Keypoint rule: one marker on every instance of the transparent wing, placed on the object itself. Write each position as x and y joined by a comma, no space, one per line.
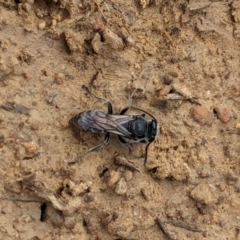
98,121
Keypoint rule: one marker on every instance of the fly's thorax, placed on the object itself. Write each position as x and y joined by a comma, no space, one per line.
139,126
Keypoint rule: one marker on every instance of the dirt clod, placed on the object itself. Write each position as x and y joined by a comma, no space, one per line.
205,193
202,115
168,79
121,187
113,177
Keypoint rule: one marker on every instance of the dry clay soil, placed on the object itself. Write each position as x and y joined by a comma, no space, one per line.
183,55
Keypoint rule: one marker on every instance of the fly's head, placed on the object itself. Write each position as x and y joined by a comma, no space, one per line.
143,130
152,130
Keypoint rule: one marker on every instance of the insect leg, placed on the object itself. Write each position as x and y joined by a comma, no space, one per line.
110,111
122,140
129,103
105,142
146,154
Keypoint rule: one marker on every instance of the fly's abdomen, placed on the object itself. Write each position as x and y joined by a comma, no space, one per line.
89,121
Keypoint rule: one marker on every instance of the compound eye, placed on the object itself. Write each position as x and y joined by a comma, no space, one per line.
152,132
139,127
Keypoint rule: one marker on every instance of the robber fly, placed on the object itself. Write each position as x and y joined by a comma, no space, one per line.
129,128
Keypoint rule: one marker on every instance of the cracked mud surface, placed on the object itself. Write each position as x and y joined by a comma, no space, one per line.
184,55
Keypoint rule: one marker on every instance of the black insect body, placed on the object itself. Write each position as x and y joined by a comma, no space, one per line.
129,128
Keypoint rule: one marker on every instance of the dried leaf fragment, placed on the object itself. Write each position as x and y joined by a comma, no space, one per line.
122,161
16,108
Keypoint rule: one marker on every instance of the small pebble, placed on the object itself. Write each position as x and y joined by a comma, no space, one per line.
238,126
35,125
129,41
174,59
56,218
124,33
128,175
183,90
165,90
202,115
173,73
222,186
209,72
91,224
121,187
192,58
106,219
2,117
26,76
74,40
54,23
31,147
206,171
89,198
21,137
115,215
70,222
112,40
167,79
224,114
59,78
26,6
96,43
145,193
113,177
13,61
42,25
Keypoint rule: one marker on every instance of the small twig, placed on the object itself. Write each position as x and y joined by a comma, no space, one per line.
122,161
164,229
176,96
183,225
162,225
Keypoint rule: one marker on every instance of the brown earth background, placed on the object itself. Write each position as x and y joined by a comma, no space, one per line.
184,55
